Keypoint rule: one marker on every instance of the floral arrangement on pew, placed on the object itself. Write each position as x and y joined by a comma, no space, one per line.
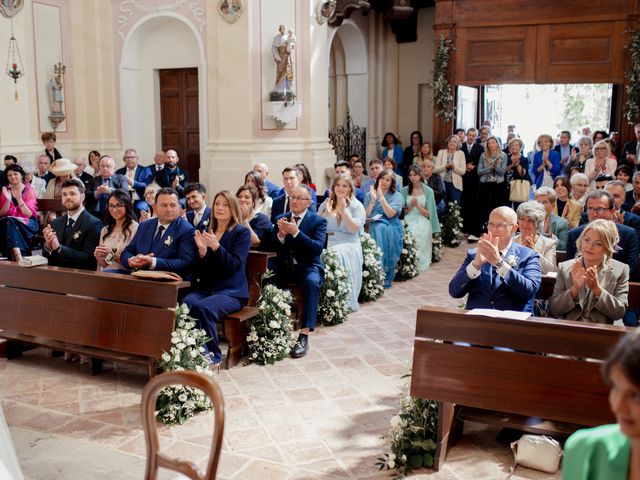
413,434
271,336
452,225
334,294
407,266
177,404
372,273
437,247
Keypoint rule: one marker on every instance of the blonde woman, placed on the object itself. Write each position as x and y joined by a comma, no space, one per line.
452,165
601,163
592,287
546,162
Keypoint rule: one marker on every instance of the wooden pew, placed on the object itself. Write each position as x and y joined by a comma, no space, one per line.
548,284
100,315
507,388
50,205
234,326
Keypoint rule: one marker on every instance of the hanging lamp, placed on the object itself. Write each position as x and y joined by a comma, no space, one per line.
15,68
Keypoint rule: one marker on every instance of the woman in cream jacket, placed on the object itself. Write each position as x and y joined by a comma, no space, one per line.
451,165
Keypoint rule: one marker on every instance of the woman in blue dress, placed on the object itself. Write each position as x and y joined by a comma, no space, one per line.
345,221
383,205
421,215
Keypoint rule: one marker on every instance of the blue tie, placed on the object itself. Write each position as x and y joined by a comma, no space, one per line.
102,199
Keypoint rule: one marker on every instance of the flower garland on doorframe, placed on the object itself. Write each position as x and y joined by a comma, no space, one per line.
407,267
271,336
632,105
334,294
452,225
442,96
176,404
372,272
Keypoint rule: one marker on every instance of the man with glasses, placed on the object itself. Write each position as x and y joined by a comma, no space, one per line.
79,172
499,273
102,185
138,177
600,205
299,238
291,178
633,196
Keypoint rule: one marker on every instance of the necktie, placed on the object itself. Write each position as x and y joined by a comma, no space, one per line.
196,219
286,204
102,198
638,152
297,220
68,230
159,232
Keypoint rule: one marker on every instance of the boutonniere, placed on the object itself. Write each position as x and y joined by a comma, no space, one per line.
181,177
512,260
206,223
77,235
168,241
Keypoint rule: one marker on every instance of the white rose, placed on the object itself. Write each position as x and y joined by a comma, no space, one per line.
391,464
180,346
273,324
392,456
194,353
331,293
166,357
395,421
182,397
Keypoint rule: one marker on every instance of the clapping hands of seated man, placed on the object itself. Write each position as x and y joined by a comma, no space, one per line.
287,227
488,249
140,262
51,241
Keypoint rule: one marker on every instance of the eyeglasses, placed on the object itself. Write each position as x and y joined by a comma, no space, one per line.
116,206
301,199
597,210
130,157
500,226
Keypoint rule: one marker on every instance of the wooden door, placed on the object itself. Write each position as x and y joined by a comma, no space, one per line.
179,116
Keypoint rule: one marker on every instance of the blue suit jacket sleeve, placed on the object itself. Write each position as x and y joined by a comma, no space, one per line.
227,260
459,284
186,249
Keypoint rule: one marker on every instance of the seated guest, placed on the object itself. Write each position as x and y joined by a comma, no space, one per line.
342,167
43,164
385,204
499,274
150,197
258,224
565,206
579,156
119,228
546,162
592,287
345,221
80,173
616,189
158,163
103,184
624,174
420,215
451,164
390,164
71,239
600,205
138,177
50,150
199,214
555,227
299,237
579,184
94,162
600,164
265,202
63,170
633,197
272,188
38,185
609,451
162,243
172,176
18,215
358,174
531,217
291,178
220,281
435,183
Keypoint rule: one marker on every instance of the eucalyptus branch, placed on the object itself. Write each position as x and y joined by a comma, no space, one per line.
632,105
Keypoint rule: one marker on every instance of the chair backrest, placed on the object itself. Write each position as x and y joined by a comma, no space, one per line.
155,459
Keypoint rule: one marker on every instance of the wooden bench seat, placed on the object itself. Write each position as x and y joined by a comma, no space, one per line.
102,315
552,371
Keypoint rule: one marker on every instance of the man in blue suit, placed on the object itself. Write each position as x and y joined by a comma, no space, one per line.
291,178
138,177
299,238
263,170
342,167
499,274
199,215
564,148
163,243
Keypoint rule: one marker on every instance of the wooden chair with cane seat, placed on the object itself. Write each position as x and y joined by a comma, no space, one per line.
155,459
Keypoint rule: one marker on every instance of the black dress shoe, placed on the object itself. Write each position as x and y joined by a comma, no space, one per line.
301,347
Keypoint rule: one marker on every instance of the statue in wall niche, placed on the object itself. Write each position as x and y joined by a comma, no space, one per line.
56,95
282,48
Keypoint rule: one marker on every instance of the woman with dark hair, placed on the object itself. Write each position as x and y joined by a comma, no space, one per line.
119,228
150,197
421,215
94,162
624,173
611,452
306,175
18,214
258,223
383,205
393,150
412,151
358,173
424,154
565,206
264,202
219,285
598,136
345,221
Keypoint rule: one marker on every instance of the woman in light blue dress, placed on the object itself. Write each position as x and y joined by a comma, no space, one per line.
383,205
345,221
421,215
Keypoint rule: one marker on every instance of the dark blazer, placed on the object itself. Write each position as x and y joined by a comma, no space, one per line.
78,247
515,292
277,208
115,181
46,177
628,245
261,226
307,246
203,224
86,179
629,147
629,201
224,271
174,252
142,178
165,177
473,155
272,189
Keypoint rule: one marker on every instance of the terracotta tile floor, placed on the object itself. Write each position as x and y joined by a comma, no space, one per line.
319,417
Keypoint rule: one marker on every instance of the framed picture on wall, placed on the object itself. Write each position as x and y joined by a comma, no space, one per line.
8,8
231,10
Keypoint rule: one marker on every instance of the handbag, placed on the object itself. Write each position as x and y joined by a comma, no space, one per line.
519,191
538,452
